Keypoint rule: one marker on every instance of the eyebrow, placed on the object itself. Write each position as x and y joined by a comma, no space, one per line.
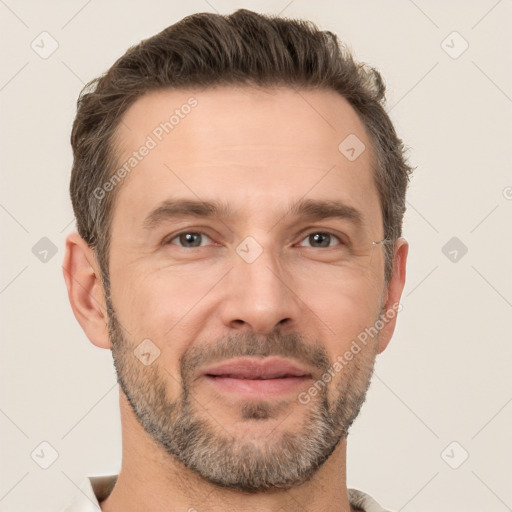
306,209
325,209
174,208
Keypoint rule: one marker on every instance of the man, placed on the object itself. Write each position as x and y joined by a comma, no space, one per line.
239,192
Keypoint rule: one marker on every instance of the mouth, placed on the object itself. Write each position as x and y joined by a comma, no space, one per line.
256,377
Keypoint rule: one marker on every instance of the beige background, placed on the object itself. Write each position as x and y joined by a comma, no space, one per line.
445,376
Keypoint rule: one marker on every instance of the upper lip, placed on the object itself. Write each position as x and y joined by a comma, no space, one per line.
257,368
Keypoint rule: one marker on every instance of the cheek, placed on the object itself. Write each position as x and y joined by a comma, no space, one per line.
345,306
164,304
144,294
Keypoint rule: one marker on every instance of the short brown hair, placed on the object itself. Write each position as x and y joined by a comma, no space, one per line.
206,50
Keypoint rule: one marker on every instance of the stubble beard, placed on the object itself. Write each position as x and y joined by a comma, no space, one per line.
279,459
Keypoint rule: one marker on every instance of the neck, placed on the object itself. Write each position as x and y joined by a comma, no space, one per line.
152,480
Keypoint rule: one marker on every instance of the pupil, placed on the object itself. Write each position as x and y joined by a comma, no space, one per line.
323,239
190,239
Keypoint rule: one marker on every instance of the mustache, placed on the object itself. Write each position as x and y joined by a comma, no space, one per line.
247,344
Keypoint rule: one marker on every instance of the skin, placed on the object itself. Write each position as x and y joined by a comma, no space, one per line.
258,150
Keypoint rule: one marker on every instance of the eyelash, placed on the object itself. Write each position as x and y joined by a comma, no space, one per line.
168,241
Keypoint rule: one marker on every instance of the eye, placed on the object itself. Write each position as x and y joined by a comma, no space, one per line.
188,239
321,239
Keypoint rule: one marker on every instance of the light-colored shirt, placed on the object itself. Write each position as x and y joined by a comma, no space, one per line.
95,489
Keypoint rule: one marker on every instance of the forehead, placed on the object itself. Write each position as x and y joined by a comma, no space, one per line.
238,115
255,148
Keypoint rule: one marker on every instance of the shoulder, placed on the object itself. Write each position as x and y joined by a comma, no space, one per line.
364,502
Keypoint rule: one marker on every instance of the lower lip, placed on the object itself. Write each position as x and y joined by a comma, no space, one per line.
259,387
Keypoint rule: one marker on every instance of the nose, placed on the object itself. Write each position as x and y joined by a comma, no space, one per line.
259,296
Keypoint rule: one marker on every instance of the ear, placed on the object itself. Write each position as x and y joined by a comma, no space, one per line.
393,293
85,290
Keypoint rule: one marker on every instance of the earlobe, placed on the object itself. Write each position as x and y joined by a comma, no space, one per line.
393,293
85,290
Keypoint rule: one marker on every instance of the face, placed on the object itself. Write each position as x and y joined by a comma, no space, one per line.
242,270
